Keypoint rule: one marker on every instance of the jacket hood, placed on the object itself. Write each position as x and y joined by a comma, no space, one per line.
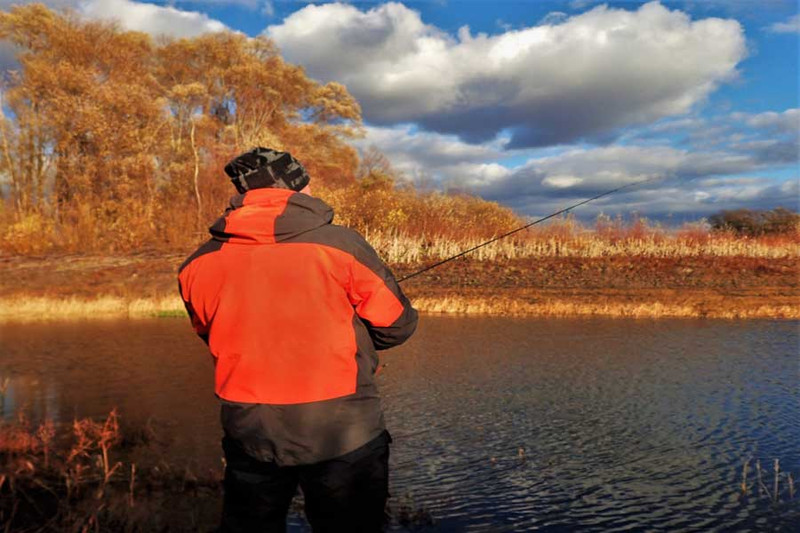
270,215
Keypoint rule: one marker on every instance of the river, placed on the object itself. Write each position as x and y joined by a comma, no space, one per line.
499,424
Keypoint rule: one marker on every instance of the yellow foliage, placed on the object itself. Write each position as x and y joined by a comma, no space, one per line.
110,135
374,206
31,234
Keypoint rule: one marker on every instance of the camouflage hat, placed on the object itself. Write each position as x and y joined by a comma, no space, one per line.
265,167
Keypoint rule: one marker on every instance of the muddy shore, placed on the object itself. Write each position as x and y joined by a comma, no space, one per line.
692,286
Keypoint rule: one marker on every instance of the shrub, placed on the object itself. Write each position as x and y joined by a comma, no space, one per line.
750,222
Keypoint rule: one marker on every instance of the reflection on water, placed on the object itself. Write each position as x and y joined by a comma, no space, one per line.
499,424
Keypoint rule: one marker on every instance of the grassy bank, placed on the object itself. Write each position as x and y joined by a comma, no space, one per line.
561,270
38,308
648,304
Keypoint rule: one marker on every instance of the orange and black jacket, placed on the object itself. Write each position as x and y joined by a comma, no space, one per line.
293,309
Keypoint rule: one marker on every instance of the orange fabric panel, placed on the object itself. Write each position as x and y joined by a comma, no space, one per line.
281,321
193,294
373,300
257,219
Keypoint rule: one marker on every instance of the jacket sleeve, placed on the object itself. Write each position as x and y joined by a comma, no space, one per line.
378,299
197,323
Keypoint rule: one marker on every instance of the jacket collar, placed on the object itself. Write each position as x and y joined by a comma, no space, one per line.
270,215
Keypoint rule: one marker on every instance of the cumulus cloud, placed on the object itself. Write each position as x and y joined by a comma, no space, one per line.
442,159
787,122
585,172
137,16
150,18
142,16
792,25
772,137
682,181
248,4
569,78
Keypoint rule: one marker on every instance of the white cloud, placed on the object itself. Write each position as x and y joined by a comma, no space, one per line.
692,183
561,181
150,18
576,77
581,4
587,171
786,122
792,25
442,158
248,4
138,16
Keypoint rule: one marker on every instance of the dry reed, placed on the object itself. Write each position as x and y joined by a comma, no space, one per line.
773,495
91,482
26,310
33,309
409,249
66,478
509,306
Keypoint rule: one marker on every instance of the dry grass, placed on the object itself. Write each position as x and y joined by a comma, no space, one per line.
409,249
760,488
79,477
100,476
508,306
23,309
742,277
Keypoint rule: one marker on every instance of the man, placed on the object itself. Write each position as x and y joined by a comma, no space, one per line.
293,309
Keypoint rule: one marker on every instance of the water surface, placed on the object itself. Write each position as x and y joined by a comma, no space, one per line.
498,424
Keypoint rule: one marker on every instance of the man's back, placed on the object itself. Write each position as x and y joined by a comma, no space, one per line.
293,309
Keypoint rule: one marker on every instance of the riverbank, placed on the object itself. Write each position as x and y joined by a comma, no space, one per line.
95,287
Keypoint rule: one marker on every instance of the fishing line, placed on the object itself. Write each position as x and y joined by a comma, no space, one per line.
526,226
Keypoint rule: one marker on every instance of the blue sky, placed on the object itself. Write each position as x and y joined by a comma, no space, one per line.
539,104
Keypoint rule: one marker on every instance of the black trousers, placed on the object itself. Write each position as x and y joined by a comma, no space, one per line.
345,494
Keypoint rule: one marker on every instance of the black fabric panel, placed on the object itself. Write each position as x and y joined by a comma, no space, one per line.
353,243
236,201
303,433
366,357
210,246
401,329
217,229
303,213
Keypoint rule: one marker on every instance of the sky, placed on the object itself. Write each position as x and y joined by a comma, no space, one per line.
540,104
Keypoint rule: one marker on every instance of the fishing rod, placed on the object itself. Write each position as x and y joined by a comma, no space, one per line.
526,226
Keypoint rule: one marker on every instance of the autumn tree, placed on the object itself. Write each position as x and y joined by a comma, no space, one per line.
111,140
109,136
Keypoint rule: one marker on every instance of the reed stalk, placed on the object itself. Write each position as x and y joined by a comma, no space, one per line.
4,388
776,482
131,501
762,489
743,485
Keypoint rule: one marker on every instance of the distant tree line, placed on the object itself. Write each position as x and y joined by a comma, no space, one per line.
753,223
